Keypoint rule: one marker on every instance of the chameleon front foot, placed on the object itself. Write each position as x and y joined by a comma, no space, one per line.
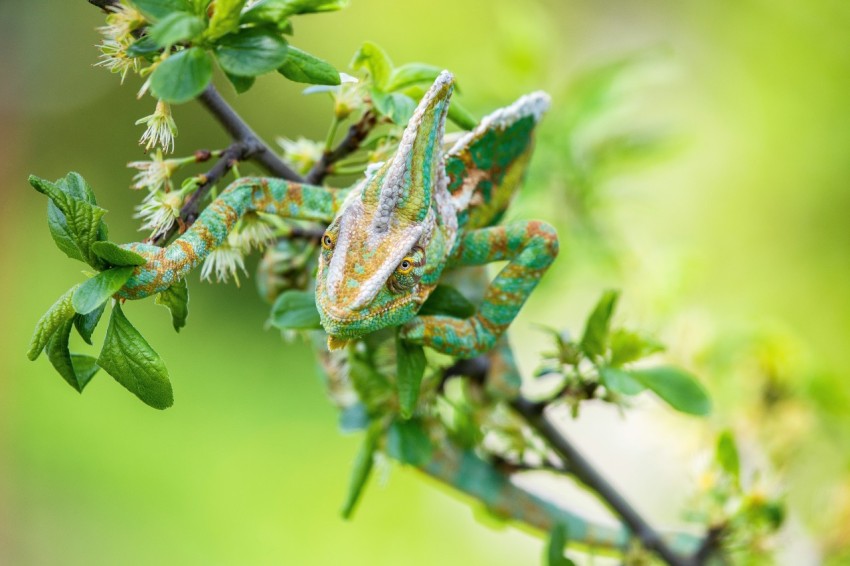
462,338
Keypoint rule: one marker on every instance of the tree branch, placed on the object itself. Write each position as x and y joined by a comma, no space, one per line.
587,474
349,144
255,148
104,4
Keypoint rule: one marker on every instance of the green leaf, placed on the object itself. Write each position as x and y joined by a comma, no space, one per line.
627,346
115,255
395,106
56,316
360,472
678,388
128,358
157,9
410,360
408,443
240,84
86,323
277,11
76,369
176,27
176,299
619,381
303,67
376,61
75,221
555,548
412,74
727,455
460,116
447,300
182,76
251,52
225,18
97,290
594,341
143,47
296,309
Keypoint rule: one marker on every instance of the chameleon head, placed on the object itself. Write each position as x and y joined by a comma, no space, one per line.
374,253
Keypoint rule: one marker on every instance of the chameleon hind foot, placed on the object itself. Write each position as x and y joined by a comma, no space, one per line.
530,248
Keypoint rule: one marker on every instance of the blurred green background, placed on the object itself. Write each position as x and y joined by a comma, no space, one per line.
732,244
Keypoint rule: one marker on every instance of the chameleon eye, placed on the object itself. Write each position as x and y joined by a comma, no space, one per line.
406,266
328,242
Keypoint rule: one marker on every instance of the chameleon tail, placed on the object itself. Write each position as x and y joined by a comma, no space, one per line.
165,266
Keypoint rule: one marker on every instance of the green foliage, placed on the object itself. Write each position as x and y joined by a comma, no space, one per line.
555,548
225,18
594,341
96,291
116,256
73,216
251,52
51,321
610,352
86,323
157,9
128,358
76,369
295,310
302,67
394,91
678,388
182,76
176,300
447,300
408,442
174,28
410,360
727,455
361,471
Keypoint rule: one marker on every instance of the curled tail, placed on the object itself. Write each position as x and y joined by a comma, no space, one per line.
165,266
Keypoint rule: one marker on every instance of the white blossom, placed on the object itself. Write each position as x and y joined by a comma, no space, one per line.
160,210
161,128
114,58
252,232
155,173
121,23
302,153
225,261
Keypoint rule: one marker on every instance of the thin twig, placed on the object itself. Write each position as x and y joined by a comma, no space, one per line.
349,144
587,474
255,148
104,4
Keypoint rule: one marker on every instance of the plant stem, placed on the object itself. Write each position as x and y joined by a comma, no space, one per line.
352,140
582,469
239,130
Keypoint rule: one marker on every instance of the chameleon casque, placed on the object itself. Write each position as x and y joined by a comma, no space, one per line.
392,235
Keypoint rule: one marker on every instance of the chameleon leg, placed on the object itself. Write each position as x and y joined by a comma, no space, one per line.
530,247
165,266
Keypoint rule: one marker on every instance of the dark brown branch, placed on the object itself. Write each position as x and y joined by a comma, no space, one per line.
255,148
349,144
235,153
587,474
104,4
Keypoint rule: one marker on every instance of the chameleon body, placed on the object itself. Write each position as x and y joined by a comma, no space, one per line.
391,236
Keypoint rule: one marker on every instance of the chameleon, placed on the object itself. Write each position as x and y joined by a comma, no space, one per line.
391,236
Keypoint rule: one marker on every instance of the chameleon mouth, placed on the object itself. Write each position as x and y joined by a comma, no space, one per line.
343,325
